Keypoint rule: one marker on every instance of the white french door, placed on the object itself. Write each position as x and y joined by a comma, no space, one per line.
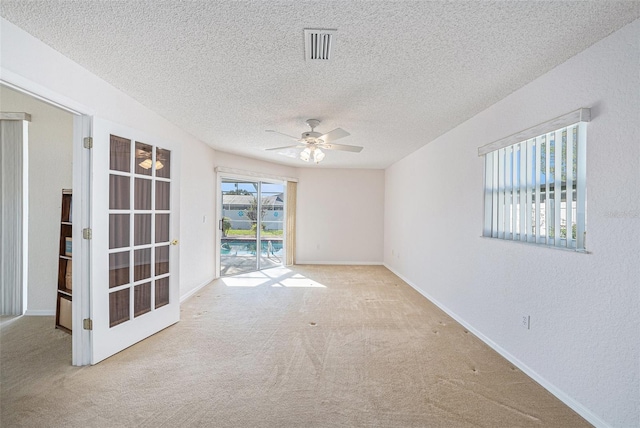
135,228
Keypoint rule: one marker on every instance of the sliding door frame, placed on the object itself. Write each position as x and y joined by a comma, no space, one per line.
223,173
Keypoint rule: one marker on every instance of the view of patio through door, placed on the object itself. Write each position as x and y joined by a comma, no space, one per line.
252,226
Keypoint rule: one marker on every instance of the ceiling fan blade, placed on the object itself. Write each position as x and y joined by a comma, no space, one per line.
286,135
334,135
285,147
342,147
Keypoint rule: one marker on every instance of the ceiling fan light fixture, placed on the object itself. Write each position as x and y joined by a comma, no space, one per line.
318,155
146,164
305,155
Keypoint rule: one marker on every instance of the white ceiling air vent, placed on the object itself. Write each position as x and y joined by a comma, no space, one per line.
318,43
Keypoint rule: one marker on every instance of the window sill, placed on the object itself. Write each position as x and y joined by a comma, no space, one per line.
535,244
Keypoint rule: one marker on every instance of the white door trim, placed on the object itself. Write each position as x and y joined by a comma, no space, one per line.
82,177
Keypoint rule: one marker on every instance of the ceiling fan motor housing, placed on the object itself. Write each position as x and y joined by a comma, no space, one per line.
311,134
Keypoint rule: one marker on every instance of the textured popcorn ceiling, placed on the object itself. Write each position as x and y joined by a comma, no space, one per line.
402,73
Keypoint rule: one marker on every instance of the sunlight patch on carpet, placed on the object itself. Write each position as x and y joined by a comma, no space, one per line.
275,277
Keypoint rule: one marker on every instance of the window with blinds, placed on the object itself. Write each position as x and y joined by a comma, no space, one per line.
535,184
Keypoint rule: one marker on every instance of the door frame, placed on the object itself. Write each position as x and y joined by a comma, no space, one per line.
238,174
82,124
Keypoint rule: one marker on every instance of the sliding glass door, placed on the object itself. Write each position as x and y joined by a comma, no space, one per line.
272,225
252,226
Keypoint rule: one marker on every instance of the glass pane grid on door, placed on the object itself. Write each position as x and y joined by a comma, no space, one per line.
139,220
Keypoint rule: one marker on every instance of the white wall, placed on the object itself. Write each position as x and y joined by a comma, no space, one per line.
584,342
197,216
228,160
340,216
50,171
27,62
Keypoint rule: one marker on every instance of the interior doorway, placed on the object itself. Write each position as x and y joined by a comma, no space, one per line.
252,225
47,169
55,160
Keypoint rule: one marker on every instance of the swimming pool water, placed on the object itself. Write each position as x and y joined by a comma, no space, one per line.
247,247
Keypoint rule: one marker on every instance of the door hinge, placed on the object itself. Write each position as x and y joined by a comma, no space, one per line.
86,233
87,324
88,142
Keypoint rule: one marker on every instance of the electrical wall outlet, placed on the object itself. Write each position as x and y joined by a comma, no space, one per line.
526,322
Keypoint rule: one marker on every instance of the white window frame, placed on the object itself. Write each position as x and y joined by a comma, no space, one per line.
515,184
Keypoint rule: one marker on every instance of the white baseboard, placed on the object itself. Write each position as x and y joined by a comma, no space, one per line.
323,262
40,312
561,395
195,290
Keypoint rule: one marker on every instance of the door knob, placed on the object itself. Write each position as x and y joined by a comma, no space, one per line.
174,242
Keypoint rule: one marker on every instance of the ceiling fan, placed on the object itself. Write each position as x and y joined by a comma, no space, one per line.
144,155
312,142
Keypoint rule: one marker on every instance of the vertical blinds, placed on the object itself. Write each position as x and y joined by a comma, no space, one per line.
14,211
535,189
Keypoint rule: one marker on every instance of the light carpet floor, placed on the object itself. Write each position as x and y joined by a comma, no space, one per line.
318,346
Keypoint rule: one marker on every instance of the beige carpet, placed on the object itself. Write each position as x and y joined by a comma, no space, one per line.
318,347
